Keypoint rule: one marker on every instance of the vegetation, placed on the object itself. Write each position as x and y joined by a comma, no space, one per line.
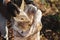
50,19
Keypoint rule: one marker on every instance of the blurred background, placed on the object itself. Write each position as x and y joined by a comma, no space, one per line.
50,19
